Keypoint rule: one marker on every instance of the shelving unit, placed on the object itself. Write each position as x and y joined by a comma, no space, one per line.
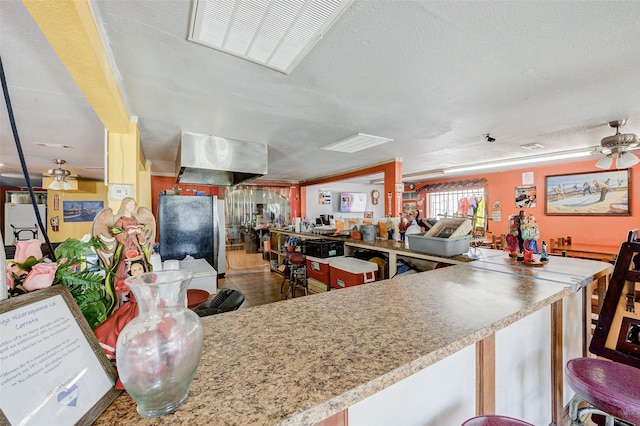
278,240
391,249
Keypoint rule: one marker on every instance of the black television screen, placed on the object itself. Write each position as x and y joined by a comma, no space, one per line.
353,202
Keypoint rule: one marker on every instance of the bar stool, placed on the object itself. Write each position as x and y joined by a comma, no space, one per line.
286,272
297,275
494,420
612,389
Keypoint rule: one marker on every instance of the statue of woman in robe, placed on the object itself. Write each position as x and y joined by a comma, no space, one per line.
128,235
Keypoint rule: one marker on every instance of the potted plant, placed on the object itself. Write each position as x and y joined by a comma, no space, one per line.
30,271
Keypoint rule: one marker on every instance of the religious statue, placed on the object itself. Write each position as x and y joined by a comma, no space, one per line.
129,236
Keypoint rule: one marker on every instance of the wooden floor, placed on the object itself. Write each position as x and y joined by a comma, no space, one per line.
251,275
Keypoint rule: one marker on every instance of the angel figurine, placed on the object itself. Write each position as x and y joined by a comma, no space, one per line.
128,235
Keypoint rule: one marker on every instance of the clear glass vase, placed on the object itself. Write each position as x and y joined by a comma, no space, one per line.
157,352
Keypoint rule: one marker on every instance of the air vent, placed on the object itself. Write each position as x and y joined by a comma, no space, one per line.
532,146
355,143
276,34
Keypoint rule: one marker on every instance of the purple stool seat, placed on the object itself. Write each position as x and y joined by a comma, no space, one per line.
493,420
611,387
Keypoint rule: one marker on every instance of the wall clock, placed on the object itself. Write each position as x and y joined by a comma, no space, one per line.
375,196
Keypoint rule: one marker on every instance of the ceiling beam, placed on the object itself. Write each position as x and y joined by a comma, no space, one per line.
71,30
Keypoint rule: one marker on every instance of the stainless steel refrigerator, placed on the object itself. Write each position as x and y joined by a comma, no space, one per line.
192,225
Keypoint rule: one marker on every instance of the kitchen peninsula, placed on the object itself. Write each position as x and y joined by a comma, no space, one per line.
412,349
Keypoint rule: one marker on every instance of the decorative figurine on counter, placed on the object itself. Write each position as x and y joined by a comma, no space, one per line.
522,239
527,255
402,226
511,241
518,224
129,236
544,257
390,229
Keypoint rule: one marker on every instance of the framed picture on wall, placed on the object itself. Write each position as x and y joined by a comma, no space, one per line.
81,211
411,207
605,193
526,196
324,197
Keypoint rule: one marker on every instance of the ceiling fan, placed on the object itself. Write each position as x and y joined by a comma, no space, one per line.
618,146
60,177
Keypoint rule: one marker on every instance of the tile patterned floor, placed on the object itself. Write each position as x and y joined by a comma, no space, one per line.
251,275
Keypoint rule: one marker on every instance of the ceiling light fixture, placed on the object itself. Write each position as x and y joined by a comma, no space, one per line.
56,185
605,162
532,146
626,160
526,160
617,147
59,177
355,143
276,34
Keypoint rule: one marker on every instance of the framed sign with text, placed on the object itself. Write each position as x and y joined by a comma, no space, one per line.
52,368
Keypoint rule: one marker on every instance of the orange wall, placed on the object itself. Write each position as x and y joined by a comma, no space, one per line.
162,183
602,230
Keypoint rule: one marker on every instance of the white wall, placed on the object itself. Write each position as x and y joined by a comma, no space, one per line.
443,394
315,209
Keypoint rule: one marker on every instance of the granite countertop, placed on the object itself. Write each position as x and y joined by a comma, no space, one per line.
299,361
561,270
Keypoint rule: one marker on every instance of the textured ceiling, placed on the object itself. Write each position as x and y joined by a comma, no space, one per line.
434,76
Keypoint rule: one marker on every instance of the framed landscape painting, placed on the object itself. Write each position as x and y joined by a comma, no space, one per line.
605,193
81,211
